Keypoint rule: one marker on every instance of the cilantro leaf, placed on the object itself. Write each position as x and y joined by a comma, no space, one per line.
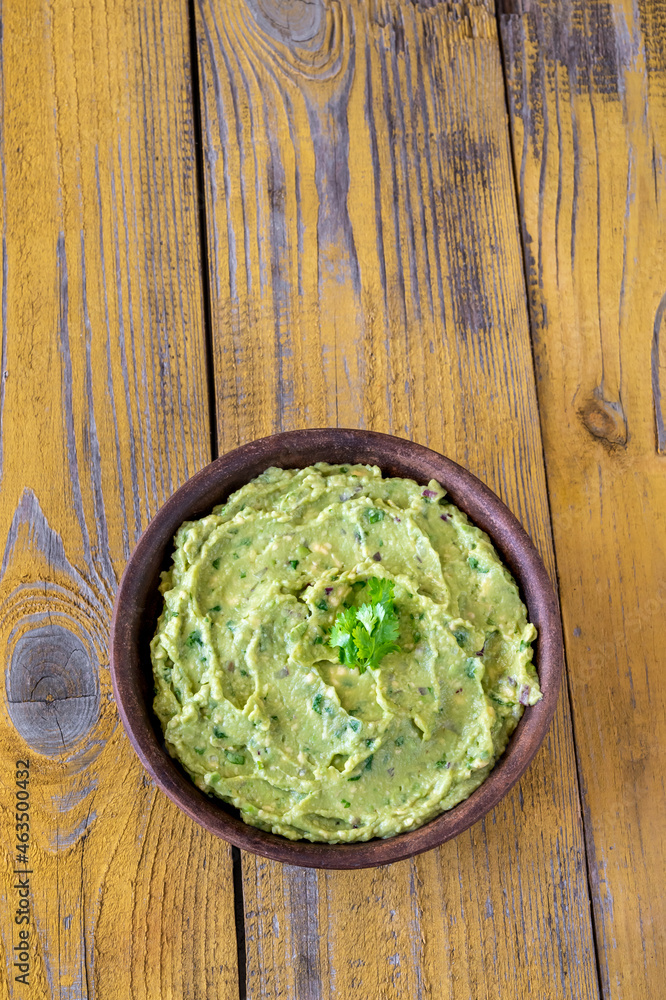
365,647
387,634
365,635
342,630
366,616
341,635
381,592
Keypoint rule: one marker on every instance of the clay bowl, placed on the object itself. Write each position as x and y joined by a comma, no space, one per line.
138,605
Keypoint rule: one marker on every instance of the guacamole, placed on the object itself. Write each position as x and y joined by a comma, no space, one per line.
253,697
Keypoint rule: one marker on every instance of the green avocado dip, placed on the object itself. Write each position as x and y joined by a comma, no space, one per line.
340,656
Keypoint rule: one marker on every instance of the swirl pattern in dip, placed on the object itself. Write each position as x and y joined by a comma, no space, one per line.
252,697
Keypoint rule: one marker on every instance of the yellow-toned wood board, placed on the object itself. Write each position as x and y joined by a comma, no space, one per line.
104,412
366,270
587,87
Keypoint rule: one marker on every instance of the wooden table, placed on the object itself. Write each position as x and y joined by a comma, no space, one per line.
233,217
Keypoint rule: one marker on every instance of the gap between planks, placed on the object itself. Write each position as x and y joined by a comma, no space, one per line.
197,117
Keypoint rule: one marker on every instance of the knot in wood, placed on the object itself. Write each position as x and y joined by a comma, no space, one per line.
295,22
605,419
52,688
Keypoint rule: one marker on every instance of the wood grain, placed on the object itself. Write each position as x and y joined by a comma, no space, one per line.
365,270
588,113
103,413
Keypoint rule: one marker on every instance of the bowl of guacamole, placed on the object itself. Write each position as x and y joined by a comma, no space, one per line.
335,648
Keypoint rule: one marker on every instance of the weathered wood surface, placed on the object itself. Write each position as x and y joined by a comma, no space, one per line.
365,270
103,411
587,88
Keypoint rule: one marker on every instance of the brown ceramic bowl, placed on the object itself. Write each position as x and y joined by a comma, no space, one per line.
138,604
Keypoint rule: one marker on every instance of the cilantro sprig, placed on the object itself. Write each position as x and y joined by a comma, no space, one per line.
365,635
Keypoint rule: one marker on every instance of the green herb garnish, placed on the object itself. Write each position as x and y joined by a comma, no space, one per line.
365,635
293,563
474,564
194,637
215,564
373,515
461,636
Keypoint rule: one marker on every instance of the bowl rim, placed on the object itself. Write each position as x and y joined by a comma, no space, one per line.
226,474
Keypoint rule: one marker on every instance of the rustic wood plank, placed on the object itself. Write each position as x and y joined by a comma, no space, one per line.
587,86
366,270
103,413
